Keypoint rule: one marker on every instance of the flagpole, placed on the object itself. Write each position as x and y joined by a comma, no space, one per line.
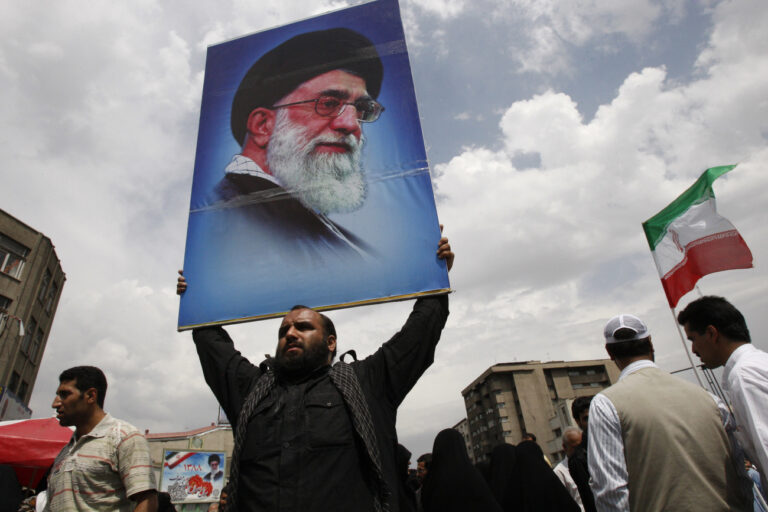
685,347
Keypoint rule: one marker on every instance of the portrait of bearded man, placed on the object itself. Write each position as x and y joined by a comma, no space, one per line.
311,179
298,115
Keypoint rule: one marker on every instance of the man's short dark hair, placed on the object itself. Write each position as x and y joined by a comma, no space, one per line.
580,405
627,349
87,377
718,312
213,457
328,328
529,436
426,458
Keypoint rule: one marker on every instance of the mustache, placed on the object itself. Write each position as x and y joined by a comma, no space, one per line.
291,344
350,141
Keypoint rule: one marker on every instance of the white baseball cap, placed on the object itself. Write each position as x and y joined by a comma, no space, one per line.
625,321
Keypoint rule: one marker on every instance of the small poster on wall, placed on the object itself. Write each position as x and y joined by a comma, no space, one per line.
192,476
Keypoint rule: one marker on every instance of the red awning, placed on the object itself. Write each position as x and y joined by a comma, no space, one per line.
30,446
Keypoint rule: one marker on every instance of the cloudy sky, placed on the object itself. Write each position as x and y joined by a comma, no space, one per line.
553,130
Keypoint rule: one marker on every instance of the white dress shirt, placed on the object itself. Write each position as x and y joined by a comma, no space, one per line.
745,381
607,465
562,472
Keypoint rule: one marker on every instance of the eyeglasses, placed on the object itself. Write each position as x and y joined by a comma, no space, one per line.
368,110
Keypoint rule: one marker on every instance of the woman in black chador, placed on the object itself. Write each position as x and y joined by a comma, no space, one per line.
540,489
504,478
453,484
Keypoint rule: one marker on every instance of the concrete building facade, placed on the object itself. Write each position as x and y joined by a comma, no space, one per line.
509,399
31,280
463,428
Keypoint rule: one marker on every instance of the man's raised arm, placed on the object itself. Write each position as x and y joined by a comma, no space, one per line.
226,371
404,358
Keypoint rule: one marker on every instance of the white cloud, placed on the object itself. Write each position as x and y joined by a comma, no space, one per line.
560,248
543,31
100,116
443,8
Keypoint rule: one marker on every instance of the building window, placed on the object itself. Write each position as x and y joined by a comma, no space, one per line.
500,405
504,419
44,286
22,394
52,291
5,303
12,255
15,378
574,373
36,346
30,329
591,372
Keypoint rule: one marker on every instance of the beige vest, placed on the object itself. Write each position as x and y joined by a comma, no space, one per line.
677,452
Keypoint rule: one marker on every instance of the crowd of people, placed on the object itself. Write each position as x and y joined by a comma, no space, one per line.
311,434
650,442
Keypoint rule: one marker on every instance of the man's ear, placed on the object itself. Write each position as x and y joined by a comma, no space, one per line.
331,343
91,396
261,122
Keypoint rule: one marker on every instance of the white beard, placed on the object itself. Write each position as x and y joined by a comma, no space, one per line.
324,182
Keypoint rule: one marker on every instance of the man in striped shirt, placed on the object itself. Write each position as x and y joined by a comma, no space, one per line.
106,465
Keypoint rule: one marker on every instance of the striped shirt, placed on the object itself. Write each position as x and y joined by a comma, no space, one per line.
101,470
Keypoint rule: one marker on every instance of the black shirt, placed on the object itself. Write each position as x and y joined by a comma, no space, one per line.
579,469
301,452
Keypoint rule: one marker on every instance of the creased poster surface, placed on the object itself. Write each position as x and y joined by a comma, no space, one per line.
311,184
192,476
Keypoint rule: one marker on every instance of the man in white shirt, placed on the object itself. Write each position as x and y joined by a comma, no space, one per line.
571,440
720,337
656,442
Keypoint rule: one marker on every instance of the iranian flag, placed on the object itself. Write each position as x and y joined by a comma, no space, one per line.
689,239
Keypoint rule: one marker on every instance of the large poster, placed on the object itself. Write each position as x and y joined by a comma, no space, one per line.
193,477
311,184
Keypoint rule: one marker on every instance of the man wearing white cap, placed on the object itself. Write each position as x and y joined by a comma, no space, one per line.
657,442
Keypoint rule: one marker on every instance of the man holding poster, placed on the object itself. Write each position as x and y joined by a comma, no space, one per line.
304,187
310,436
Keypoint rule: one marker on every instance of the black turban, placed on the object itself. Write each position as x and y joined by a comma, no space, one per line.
282,69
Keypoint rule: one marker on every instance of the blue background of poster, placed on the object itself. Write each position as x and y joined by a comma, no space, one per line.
398,218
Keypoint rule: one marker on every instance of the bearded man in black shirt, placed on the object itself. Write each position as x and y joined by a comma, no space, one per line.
310,436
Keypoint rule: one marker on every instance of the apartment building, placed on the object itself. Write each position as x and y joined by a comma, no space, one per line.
509,399
31,280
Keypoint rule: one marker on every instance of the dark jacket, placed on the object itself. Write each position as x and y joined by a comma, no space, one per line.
301,452
579,469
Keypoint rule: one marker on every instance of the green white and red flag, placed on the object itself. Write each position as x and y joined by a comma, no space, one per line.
689,239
